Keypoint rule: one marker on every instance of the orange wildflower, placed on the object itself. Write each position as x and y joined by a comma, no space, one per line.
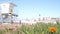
52,29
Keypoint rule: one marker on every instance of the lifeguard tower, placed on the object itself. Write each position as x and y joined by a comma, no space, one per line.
6,11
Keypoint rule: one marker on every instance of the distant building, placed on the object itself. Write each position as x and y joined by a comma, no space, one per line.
44,20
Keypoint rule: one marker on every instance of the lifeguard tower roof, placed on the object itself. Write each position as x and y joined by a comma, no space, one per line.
7,2
6,7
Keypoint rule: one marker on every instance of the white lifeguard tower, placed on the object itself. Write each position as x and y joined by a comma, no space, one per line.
6,11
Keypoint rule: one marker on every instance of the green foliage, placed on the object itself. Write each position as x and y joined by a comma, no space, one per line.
39,28
57,22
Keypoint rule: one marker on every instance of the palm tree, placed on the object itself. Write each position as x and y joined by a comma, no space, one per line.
39,17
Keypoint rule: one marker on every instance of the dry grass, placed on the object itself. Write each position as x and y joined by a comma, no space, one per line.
39,28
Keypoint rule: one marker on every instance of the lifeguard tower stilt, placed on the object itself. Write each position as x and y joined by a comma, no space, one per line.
6,11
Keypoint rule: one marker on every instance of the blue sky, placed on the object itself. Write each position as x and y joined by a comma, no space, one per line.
32,8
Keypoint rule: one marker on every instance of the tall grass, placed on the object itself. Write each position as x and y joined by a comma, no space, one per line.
38,28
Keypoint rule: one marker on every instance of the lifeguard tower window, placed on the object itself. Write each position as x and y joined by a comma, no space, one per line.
0,8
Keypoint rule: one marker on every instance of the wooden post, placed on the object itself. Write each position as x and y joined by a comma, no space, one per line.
12,20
